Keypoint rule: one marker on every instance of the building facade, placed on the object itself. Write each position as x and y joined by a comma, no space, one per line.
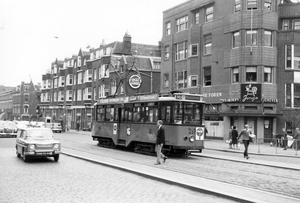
229,51
25,102
74,85
6,98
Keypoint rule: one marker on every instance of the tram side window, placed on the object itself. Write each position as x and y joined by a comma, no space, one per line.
137,114
109,115
116,116
151,114
177,113
166,113
191,113
127,114
100,114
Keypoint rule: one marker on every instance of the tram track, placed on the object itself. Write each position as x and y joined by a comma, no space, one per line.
265,178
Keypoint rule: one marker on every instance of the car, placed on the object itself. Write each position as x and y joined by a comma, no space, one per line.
8,129
22,124
37,142
56,127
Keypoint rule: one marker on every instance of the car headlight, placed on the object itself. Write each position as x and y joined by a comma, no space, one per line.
192,138
56,146
31,147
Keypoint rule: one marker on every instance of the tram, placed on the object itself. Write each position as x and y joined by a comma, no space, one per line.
131,122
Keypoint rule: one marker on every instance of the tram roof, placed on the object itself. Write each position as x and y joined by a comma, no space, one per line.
197,98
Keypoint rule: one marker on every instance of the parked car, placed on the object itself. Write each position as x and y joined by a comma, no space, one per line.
8,129
22,124
56,127
37,142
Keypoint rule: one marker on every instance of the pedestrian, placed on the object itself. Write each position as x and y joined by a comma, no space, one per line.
234,136
245,135
230,137
77,125
160,141
285,139
296,139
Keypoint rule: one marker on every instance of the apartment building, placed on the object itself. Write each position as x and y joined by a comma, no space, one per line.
73,86
6,98
25,102
229,51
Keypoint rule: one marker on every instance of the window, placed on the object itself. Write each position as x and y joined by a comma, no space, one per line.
207,45
166,80
251,74
69,95
209,14
251,4
167,52
292,96
61,81
104,71
237,5
268,38
207,76
251,38
156,65
113,87
102,91
69,79
89,75
288,95
292,56
235,75
193,81
181,51
88,93
193,50
181,24
268,75
95,74
268,4
236,40
285,25
79,78
79,61
197,18
168,28
79,95
296,24
181,79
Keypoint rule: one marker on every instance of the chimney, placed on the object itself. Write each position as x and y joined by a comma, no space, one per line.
127,44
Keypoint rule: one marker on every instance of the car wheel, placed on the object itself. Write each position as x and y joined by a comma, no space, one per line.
56,157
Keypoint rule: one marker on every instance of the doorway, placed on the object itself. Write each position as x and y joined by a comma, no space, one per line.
268,129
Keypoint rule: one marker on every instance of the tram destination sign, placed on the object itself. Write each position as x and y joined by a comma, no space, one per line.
189,97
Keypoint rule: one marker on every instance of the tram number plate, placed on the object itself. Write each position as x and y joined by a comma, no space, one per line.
44,153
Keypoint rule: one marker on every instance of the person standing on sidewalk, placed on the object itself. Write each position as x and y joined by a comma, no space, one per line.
285,139
160,141
245,135
230,137
234,135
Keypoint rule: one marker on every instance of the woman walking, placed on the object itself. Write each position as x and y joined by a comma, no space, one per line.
245,135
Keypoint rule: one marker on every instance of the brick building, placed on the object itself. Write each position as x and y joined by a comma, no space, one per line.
229,51
25,101
74,85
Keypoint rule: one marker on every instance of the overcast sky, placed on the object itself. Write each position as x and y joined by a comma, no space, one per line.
33,33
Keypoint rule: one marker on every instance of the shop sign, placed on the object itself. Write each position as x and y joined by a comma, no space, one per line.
251,92
135,81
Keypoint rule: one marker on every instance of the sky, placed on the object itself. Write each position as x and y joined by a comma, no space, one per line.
34,33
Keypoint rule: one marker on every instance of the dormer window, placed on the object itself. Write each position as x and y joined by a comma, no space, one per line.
79,61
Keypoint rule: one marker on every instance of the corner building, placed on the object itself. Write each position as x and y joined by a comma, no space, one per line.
228,51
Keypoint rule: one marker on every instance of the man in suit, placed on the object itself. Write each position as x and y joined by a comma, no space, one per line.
160,141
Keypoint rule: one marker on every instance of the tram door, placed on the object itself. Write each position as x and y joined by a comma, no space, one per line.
117,125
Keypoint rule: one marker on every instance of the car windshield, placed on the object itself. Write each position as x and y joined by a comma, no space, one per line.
10,125
39,134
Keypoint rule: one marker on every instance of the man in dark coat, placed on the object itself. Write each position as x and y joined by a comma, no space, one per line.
160,141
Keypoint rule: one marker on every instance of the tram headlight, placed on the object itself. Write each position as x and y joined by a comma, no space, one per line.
192,138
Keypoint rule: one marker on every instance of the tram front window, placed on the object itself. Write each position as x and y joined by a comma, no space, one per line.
177,113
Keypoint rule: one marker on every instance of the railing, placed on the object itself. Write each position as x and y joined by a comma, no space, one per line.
277,145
